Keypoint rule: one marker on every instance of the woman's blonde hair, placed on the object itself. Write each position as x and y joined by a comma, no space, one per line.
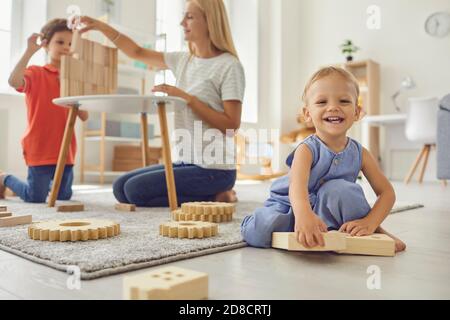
218,25
326,71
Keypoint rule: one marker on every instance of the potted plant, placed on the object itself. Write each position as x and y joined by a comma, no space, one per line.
348,49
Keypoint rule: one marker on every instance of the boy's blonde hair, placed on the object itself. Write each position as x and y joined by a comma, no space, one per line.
326,71
218,25
52,27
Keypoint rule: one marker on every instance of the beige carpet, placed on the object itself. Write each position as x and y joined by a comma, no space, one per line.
138,246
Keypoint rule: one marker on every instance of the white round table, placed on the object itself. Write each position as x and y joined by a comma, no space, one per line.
136,104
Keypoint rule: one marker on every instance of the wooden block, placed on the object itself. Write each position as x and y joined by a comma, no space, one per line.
15,221
76,70
71,208
5,214
334,241
374,245
171,283
76,48
125,207
98,53
3,208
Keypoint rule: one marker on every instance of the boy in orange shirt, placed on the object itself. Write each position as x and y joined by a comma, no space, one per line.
46,121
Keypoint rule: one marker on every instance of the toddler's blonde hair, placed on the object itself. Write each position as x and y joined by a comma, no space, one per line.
326,71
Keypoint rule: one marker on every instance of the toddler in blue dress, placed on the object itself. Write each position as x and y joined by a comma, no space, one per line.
320,192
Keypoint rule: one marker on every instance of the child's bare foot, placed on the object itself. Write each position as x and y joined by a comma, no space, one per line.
399,244
227,197
2,185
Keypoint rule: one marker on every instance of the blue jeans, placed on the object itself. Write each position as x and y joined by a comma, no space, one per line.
147,187
38,184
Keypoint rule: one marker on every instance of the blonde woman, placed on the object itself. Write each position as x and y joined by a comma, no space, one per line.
211,79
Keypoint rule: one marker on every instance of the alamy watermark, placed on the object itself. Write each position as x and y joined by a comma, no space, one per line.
212,147
374,17
374,280
74,280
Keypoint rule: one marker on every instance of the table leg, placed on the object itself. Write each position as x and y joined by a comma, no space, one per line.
64,150
167,157
144,131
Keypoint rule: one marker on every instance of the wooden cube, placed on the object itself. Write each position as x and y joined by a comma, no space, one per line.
171,283
125,207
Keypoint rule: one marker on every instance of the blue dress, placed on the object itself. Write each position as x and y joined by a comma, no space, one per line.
334,194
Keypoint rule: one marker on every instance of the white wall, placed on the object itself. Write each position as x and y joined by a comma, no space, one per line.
297,37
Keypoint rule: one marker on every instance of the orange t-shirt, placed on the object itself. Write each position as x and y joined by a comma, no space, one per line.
46,121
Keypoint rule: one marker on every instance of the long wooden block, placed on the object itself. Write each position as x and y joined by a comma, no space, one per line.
125,207
5,214
171,283
71,208
288,241
15,221
374,245
76,48
3,209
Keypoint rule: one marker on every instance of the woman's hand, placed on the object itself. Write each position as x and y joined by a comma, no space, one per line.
359,228
90,24
33,45
172,92
309,228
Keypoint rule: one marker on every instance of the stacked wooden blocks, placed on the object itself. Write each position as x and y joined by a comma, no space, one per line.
92,69
7,219
205,211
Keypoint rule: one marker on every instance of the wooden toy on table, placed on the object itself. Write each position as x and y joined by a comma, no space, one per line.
171,283
91,70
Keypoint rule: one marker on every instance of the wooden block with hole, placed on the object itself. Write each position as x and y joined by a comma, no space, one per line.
71,208
334,241
374,245
171,283
15,221
125,207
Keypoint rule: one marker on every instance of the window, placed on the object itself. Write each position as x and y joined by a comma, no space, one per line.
5,40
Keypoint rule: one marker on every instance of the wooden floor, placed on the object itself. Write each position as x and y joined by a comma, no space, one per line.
423,272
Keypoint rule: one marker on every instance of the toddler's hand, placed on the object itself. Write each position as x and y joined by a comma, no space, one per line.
359,228
33,45
309,229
